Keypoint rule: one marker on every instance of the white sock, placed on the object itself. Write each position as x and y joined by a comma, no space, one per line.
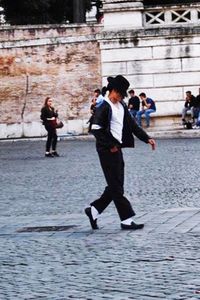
127,221
94,212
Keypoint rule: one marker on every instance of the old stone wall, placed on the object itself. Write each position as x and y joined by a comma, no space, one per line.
163,64
157,49
39,61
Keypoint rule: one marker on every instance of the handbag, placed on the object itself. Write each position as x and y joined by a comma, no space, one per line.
56,123
59,124
188,125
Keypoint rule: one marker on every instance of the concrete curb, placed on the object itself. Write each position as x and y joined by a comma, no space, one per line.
159,134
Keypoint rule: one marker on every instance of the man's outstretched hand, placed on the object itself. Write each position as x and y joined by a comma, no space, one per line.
152,143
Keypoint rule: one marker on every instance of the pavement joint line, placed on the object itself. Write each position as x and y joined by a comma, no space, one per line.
158,223
186,220
166,224
173,224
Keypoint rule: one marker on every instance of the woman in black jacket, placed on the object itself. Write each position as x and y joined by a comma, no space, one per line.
48,116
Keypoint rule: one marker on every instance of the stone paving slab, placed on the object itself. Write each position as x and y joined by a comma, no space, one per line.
159,262
182,220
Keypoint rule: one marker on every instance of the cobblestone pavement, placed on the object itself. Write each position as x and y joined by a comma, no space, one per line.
162,261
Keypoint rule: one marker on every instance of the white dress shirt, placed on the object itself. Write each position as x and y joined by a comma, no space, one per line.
117,118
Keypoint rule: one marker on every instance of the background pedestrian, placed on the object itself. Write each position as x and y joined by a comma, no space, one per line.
188,106
48,116
148,107
133,103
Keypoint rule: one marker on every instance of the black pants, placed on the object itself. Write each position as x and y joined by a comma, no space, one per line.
51,138
113,167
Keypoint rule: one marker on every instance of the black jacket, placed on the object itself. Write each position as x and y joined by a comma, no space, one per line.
135,102
191,103
47,113
103,135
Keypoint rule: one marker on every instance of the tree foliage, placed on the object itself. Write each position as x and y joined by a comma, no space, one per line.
24,12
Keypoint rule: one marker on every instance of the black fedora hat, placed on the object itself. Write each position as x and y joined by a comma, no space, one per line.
118,83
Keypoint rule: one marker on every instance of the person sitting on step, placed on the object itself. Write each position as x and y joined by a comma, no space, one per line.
148,107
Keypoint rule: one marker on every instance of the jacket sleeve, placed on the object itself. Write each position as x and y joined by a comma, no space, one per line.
100,127
55,114
43,115
136,129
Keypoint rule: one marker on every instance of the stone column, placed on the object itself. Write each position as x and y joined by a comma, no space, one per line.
78,11
121,14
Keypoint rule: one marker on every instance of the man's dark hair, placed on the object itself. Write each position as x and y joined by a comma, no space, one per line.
97,91
132,91
104,90
142,95
189,92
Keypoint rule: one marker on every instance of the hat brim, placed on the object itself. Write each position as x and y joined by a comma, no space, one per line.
115,84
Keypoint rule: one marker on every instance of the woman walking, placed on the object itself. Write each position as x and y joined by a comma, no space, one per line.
48,116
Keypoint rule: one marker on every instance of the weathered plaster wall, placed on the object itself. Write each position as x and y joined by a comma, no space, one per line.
157,48
35,62
164,63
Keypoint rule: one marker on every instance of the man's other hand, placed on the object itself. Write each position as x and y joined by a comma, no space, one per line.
152,143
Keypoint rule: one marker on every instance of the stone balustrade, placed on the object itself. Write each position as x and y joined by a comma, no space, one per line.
171,15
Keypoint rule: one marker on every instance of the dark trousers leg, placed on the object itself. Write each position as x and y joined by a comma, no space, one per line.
105,199
54,141
113,167
51,138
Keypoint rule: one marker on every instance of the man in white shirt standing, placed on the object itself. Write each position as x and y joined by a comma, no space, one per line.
113,128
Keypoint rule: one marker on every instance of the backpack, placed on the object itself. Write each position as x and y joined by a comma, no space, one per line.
188,125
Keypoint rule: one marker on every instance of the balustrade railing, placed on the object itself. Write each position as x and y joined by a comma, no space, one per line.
2,18
171,15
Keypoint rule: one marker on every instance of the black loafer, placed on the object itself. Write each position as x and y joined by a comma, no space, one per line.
132,226
55,154
49,155
92,221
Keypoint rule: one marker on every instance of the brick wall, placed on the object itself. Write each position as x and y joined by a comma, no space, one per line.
39,61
